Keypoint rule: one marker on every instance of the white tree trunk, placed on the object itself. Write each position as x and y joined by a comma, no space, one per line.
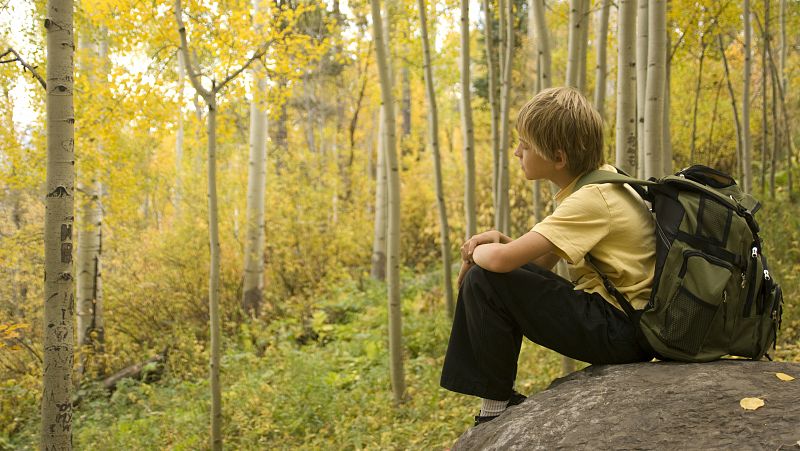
641,80
505,104
493,62
733,105
178,199
90,331
253,288
574,42
466,126
433,137
626,149
378,271
393,257
666,165
542,43
601,42
583,45
656,80
747,174
56,426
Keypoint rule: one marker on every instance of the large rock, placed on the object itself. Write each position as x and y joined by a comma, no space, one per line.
653,406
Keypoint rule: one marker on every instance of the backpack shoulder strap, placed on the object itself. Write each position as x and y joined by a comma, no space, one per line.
599,176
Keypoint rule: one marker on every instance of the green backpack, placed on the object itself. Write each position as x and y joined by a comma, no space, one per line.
713,294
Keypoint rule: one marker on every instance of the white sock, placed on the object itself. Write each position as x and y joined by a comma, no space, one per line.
491,408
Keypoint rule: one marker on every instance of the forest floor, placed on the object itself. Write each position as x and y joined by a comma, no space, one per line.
325,385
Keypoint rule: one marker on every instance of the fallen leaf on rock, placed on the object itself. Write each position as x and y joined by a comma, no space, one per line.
751,403
784,377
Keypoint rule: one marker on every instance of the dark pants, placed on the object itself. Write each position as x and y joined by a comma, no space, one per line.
495,311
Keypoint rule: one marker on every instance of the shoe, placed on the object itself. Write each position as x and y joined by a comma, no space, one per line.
516,399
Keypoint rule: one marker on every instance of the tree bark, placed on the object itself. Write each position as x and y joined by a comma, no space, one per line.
466,126
505,103
56,426
253,285
91,333
764,103
378,271
433,136
642,21
666,165
733,104
492,69
583,45
573,43
626,149
697,87
178,199
601,67
747,174
542,43
393,257
656,80
210,97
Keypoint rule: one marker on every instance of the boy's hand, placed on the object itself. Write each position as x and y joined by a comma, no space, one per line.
492,236
465,266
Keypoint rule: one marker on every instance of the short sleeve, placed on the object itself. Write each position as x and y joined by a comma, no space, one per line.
577,224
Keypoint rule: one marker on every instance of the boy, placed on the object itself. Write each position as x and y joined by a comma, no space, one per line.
506,287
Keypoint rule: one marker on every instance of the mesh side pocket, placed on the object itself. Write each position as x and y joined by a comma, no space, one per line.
714,221
687,321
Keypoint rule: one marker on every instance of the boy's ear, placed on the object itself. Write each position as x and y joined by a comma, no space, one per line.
561,159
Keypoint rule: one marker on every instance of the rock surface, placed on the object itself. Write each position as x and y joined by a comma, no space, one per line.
657,405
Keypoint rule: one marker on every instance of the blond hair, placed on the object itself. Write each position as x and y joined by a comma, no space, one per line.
562,119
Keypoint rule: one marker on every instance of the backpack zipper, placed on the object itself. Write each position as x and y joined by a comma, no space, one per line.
752,269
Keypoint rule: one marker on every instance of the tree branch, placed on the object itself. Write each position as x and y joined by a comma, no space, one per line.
193,77
25,65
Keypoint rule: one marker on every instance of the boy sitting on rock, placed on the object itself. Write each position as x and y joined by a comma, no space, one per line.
507,290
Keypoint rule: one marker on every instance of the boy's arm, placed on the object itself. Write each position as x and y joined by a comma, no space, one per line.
546,261
498,257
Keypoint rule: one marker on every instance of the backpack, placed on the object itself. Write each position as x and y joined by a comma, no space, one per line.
712,294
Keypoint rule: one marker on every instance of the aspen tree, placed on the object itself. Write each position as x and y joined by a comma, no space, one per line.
378,271
601,42
738,124
253,286
784,86
493,57
393,254
466,126
179,138
666,152
656,80
433,137
541,35
626,149
583,45
505,102
764,104
210,97
641,80
573,43
747,175
89,303
56,427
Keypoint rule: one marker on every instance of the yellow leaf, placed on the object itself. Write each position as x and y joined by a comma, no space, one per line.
751,403
784,377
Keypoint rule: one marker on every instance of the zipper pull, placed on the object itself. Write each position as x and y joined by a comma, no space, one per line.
743,280
754,254
766,275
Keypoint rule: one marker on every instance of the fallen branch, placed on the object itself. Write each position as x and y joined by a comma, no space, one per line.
137,371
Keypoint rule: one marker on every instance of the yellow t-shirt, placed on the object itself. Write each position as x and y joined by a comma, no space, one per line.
612,223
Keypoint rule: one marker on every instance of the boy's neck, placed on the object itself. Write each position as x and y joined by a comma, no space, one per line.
562,178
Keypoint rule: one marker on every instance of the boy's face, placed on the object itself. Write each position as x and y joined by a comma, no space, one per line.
533,164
